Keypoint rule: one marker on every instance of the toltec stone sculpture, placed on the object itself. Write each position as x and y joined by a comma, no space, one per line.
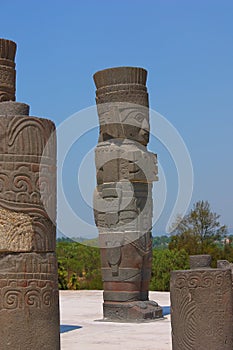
29,310
123,197
201,307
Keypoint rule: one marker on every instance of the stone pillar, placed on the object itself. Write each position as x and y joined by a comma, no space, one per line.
123,196
201,307
7,70
29,309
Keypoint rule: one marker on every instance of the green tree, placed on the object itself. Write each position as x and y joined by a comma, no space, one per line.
79,266
165,261
62,276
198,231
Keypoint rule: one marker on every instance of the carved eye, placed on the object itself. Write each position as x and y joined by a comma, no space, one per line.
139,118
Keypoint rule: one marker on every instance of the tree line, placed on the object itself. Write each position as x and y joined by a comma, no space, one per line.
199,232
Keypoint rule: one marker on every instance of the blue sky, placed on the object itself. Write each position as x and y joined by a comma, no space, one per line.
187,48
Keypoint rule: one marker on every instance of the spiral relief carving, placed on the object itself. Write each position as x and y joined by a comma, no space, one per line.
28,180
29,305
201,309
11,299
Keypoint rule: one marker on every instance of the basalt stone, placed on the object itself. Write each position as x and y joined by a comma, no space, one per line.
200,261
29,310
123,196
7,70
201,309
118,160
10,108
29,304
122,103
123,206
135,311
28,180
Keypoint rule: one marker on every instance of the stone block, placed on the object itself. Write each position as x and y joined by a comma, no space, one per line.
28,175
201,309
119,160
7,70
29,313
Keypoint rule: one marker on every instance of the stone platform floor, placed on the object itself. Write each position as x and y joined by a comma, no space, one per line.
81,330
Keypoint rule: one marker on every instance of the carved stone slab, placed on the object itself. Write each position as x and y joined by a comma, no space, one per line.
27,177
118,160
201,309
29,315
29,307
123,206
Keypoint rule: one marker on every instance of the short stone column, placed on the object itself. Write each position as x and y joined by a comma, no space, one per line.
123,196
201,307
29,308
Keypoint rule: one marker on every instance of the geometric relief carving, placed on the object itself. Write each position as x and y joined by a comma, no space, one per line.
122,201
29,304
123,207
33,296
118,160
28,174
28,280
202,304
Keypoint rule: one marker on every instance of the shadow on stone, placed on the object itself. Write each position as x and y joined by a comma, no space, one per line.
64,328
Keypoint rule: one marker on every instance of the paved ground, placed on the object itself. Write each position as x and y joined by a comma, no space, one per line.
81,331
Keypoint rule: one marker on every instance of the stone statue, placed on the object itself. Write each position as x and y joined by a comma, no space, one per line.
123,196
201,307
29,309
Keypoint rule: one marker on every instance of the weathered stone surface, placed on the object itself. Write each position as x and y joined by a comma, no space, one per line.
16,232
123,196
29,313
122,102
126,268
118,160
123,207
224,264
135,311
29,308
200,261
7,70
201,309
28,172
123,120
11,108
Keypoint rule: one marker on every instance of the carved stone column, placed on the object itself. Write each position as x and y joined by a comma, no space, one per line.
123,196
29,309
7,70
201,307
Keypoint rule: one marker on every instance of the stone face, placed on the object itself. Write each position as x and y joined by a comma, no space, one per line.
122,103
7,70
29,307
123,196
201,309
